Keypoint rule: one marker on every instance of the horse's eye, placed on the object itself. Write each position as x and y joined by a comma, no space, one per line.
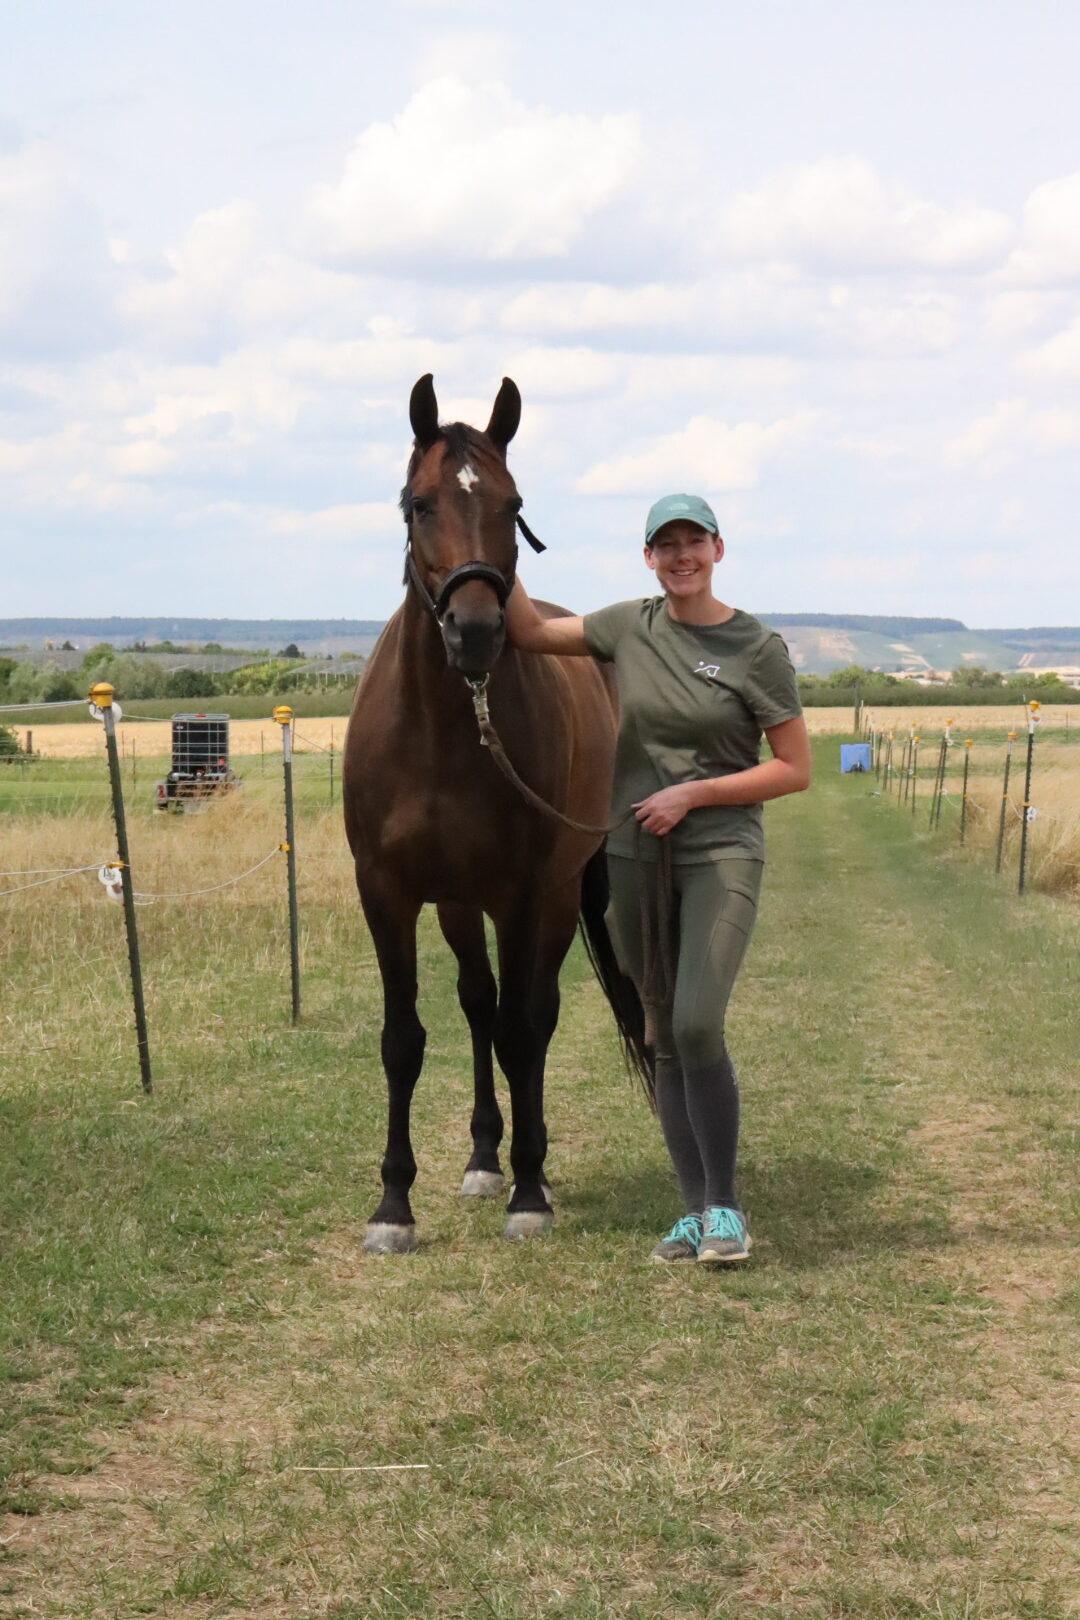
419,508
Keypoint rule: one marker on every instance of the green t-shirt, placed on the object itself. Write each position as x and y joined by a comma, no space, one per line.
693,702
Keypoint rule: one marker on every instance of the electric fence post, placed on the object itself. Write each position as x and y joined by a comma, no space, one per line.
943,764
910,753
284,717
101,701
914,769
1004,800
1028,816
964,798
936,788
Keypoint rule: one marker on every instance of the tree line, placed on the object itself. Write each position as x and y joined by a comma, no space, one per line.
133,674
970,684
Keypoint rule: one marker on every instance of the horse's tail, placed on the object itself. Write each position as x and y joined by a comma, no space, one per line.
620,991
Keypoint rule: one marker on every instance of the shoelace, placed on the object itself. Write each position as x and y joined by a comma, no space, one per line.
688,1227
721,1222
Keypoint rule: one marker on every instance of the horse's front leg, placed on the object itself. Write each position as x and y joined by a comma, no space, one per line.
391,916
532,945
463,930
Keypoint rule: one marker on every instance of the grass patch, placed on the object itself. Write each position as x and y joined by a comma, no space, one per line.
214,1403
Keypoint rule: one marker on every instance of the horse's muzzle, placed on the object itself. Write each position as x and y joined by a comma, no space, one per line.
473,641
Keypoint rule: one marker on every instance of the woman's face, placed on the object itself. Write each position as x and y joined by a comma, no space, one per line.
683,556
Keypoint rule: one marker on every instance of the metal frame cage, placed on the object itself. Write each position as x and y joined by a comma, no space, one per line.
200,760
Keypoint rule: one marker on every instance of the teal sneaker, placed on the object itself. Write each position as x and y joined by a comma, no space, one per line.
724,1237
682,1242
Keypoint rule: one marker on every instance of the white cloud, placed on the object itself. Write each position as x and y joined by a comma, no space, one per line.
338,522
553,373
56,273
466,173
1012,314
852,567
1011,431
1059,357
839,212
472,54
705,453
1049,248
225,282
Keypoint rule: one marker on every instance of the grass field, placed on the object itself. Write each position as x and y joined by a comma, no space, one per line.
214,1404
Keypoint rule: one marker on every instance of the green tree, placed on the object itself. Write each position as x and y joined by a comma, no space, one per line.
190,683
851,675
98,654
975,678
55,685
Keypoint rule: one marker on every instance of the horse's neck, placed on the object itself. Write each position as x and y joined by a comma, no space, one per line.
431,688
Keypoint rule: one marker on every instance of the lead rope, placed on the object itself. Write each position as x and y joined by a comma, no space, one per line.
658,955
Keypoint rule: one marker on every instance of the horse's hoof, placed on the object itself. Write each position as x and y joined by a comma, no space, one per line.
483,1184
525,1223
384,1238
545,1189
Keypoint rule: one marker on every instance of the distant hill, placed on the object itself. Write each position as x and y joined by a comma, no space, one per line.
819,642
311,635
877,624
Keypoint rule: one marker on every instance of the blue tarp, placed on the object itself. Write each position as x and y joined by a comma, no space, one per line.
855,756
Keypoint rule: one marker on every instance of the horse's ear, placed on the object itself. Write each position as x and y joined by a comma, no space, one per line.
505,414
424,411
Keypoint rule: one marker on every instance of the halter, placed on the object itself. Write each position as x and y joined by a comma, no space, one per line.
502,584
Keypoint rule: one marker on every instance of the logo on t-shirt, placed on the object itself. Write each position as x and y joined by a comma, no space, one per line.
710,671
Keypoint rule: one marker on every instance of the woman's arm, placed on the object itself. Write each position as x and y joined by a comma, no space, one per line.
529,630
787,772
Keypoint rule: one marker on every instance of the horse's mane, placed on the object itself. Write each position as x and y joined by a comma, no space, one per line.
461,441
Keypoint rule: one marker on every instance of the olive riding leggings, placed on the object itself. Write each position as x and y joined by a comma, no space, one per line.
713,906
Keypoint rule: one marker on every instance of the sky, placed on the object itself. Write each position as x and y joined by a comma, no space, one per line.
819,263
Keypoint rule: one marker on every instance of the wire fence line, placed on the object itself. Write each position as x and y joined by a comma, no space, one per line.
894,758
187,894
57,876
59,703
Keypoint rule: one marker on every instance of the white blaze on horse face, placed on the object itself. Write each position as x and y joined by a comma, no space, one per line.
467,478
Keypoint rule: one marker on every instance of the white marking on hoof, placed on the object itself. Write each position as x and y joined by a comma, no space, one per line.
467,478
385,1238
482,1184
544,1188
526,1223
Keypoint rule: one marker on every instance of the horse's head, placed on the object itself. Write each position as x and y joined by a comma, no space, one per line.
461,505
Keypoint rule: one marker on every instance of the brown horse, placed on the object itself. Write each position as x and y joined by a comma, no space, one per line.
431,820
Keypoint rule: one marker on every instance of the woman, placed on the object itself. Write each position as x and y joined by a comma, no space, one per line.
699,682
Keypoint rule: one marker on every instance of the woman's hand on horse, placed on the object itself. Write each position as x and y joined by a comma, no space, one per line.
665,809
529,630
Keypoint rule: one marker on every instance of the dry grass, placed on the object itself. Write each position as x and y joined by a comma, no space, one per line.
1053,852
930,721
253,736
173,855
153,738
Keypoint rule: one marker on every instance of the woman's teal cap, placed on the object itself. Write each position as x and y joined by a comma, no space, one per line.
676,508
